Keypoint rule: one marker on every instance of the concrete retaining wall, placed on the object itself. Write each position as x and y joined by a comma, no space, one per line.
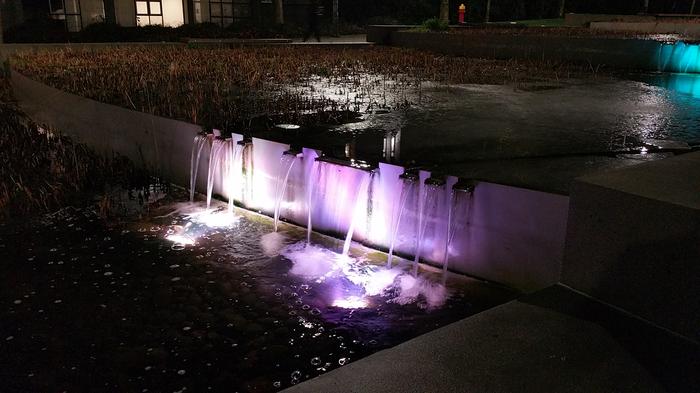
158,144
610,52
653,27
633,241
508,235
583,20
381,34
7,50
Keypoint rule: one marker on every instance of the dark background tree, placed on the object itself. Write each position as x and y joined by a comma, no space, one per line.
416,11
2,3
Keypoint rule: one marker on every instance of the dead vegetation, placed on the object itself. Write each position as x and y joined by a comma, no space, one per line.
228,88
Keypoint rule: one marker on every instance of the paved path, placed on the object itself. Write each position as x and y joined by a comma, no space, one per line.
516,347
356,39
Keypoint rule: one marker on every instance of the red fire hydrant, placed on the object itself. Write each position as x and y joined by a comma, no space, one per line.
462,12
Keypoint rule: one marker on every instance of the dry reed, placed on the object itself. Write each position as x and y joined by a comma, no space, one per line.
229,88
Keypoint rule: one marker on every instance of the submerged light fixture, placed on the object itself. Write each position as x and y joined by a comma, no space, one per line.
351,302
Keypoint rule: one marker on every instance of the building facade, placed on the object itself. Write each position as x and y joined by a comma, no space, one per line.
80,13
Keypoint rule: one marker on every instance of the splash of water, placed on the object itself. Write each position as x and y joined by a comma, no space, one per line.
356,212
272,243
200,141
458,219
322,265
286,164
410,289
427,210
222,165
315,168
234,152
214,166
312,262
448,227
408,187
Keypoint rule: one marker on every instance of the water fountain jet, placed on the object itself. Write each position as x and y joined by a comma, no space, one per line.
460,205
200,140
287,161
433,187
409,182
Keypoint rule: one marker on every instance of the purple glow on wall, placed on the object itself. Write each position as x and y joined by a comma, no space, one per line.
503,222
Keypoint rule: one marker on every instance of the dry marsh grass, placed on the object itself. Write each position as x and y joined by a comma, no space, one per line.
228,88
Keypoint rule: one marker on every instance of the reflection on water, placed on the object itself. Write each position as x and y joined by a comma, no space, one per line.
679,57
685,84
454,126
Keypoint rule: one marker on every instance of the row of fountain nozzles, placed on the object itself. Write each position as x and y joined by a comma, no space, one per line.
463,185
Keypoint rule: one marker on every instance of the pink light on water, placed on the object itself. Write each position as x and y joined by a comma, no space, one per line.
350,302
214,218
181,239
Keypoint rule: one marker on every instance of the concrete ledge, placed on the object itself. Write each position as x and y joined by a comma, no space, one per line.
381,34
573,19
515,347
655,27
238,41
633,241
610,52
670,358
583,20
7,50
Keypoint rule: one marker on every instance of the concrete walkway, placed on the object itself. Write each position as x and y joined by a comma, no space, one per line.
516,347
343,40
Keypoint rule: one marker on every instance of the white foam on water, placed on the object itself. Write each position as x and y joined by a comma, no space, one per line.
272,243
318,263
411,289
311,261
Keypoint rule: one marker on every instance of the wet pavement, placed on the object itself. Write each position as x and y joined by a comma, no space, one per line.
88,305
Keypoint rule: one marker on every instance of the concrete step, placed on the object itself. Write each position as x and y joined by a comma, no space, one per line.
516,347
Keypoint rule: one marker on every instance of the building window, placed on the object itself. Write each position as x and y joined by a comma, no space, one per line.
149,13
67,11
197,11
221,12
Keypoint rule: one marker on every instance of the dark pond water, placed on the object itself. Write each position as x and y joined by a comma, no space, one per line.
537,135
88,305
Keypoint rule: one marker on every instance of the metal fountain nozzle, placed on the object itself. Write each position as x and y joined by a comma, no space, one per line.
245,141
353,163
435,181
465,185
294,152
409,176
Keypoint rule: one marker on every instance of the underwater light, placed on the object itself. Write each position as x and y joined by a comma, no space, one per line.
288,126
215,219
181,239
359,164
350,302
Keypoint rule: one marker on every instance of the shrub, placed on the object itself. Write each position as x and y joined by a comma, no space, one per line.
38,30
435,24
